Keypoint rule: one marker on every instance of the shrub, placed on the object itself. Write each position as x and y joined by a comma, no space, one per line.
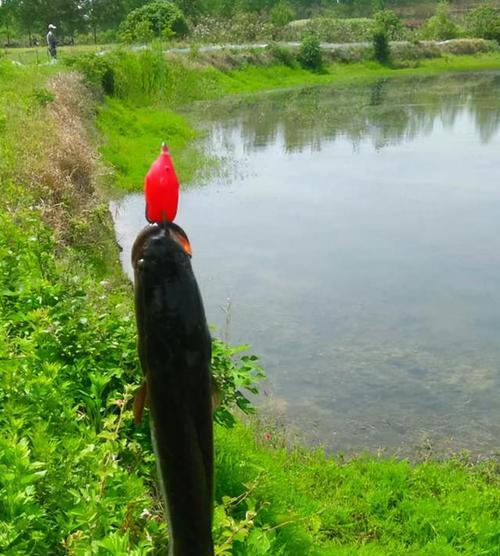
98,71
483,23
414,51
156,19
329,29
281,14
310,53
388,21
440,26
381,48
282,55
467,46
243,27
350,54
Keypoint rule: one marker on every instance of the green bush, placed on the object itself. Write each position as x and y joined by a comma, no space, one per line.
98,70
440,26
158,19
243,27
310,53
390,23
330,29
462,47
483,23
282,55
281,14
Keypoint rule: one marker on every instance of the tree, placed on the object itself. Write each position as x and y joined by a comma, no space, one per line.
102,14
389,22
7,19
253,5
33,16
156,19
218,8
378,5
190,8
483,23
29,14
440,26
281,14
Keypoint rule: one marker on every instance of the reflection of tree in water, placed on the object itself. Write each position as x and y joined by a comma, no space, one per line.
387,112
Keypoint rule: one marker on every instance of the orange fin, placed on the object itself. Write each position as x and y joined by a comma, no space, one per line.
180,237
140,397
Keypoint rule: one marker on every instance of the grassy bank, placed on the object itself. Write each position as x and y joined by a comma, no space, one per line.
75,474
76,477
144,90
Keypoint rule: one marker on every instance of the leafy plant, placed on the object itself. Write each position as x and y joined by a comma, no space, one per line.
43,96
483,22
389,22
235,524
243,27
330,29
310,53
98,70
281,14
440,26
153,19
234,375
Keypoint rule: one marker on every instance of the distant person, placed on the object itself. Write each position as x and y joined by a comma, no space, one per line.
52,44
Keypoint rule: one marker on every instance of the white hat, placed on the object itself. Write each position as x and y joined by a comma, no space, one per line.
52,26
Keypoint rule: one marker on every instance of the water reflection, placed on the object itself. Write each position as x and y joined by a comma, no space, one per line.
358,239
388,111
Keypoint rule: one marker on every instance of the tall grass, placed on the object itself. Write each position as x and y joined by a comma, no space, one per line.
148,76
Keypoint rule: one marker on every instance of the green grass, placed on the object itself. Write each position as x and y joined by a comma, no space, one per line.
255,79
39,55
132,140
75,474
327,506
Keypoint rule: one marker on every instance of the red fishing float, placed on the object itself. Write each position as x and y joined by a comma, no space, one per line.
161,189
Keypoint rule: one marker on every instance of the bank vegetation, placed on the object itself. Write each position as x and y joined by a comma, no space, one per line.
76,476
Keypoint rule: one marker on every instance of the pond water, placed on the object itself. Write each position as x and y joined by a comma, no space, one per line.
354,240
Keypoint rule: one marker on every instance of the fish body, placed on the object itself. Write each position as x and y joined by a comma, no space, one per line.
175,351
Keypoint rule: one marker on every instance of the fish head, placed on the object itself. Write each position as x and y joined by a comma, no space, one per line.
163,280
158,245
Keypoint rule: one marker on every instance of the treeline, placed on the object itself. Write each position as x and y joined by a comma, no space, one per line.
31,17
27,20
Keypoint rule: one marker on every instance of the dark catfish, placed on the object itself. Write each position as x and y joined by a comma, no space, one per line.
175,349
